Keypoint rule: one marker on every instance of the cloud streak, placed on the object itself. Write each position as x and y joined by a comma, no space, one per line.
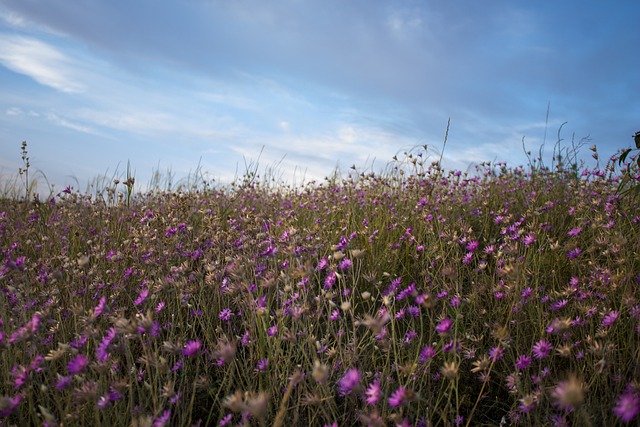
40,61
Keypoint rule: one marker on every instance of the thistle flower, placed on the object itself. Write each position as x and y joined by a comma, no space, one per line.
191,348
523,361
398,397
627,406
373,392
528,403
569,394
349,382
226,314
163,419
610,319
142,296
345,264
63,381
262,365
450,370
541,349
98,310
574,253
78,364
482,364
496,353
529,239
320,372
444,326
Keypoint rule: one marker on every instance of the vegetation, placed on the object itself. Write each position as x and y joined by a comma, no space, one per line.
501,296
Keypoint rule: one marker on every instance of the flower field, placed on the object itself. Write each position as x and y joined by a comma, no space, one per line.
420,297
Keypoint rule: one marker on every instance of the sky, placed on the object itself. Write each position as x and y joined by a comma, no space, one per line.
302,87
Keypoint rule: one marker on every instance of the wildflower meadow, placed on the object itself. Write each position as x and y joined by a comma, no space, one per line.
412,297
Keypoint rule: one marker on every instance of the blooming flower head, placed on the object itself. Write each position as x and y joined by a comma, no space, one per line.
101,350
496,353
163,419
529,239
574,231
192,347
349,381
541,349
472,245
610,318
574,253
427,353
97,311
523,361
627,406
226,314
78,364
142,296
330,280
444,326
345,264
322,264
568,394
262,365
373,392
398,397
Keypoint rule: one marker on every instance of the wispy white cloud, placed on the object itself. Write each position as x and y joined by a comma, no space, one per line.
14,111
40,61
61,121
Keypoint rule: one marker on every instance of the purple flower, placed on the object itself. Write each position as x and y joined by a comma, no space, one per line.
574,231
262,364
101,350
322,264
78,364
541,349
523,361
574,253
373,392
496,353
398,397
225,420
558,305
335,315
409,336
225,314
444,326
472,245
627,406
330,280
273,330
427,353
163,419
97,311
141,297
191,348
529,239
63,382
466,259
349,381
345,264
610,318
10,404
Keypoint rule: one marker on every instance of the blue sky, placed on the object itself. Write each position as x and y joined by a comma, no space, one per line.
306,86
